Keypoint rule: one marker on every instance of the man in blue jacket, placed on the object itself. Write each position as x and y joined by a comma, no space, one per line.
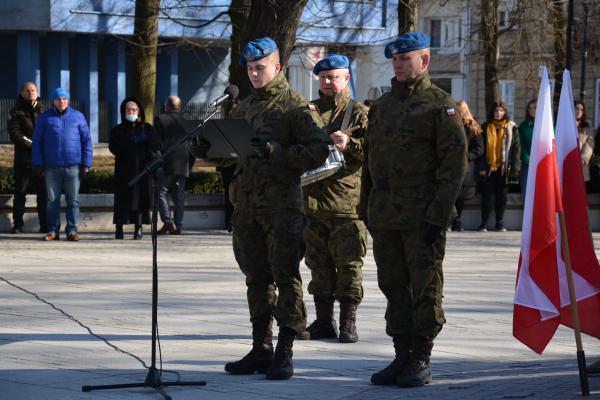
62,151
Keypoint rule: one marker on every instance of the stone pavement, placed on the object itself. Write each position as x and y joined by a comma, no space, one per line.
74,314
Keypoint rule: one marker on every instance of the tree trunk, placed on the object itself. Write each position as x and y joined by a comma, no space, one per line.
277,19
489,29
559,25
238,13
407,16
145,45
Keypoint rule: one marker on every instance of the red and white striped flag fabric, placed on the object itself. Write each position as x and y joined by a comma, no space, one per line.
586,270
537,296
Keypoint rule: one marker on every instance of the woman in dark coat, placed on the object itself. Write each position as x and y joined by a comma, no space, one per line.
129,143
474,151
500,163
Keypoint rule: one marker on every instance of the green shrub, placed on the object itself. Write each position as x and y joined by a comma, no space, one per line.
101,181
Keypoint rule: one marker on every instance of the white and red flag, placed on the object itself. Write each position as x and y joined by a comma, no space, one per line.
537,294
586,270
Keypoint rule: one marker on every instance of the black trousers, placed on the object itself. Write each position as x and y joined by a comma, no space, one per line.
24,182
493,187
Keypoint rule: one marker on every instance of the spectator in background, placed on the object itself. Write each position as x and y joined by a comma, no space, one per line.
20,129
169,127
474,151
525,136
129,143
586,140
62,150
499,164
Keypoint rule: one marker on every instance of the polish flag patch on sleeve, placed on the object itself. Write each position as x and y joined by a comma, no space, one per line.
450,112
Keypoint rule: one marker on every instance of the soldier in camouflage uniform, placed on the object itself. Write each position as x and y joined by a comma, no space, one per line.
267,198
415,160
336,239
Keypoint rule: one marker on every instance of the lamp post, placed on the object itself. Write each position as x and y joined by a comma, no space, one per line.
586,13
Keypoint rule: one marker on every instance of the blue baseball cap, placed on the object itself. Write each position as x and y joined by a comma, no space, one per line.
59,92
257,49
334,61
407,42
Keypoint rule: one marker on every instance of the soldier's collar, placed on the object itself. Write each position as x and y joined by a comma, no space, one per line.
340,99
406,88
277,84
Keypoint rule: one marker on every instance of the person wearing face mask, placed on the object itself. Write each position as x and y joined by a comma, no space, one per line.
500,164
129,143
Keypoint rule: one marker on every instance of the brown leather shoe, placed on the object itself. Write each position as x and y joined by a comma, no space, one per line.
167,228
50,236
72,237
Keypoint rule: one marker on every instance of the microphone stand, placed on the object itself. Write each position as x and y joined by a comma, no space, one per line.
153,378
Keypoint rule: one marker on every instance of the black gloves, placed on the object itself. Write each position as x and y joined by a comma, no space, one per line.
432,233
200,147
261,146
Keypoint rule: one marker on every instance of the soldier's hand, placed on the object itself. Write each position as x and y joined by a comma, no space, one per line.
261,146
432,233
340,140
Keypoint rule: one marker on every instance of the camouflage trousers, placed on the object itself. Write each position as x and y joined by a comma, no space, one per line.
334,251
268,249
409,273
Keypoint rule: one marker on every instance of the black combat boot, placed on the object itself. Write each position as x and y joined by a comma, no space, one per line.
282,367
325,326
348,322
259,359
417,373
389,375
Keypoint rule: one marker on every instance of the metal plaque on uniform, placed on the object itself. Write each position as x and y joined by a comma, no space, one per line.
228,138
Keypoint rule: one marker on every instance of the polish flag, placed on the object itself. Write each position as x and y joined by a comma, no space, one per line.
586,270
537,303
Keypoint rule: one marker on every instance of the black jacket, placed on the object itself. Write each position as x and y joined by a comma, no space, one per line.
169,128
129,143
23,117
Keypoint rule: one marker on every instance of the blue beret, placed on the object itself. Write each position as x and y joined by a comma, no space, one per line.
257,49
59,92
333,61
406,42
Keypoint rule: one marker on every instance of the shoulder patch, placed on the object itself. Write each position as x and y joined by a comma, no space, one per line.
312,107
450,111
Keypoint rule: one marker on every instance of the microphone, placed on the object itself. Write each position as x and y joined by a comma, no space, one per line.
230,93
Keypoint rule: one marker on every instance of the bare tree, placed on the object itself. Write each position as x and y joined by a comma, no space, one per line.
407,16
277,19
489,30
239,11
145,40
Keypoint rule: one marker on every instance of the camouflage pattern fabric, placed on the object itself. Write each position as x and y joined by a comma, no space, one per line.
415,161
334,253
339,194
268,221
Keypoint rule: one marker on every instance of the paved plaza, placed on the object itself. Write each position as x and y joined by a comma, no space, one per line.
74,314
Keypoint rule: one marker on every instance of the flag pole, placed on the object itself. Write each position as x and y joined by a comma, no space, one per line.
583,379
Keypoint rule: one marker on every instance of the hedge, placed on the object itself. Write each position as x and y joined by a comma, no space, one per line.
102,182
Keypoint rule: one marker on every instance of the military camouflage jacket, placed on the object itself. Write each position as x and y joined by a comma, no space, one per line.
278,113
339,194
415,157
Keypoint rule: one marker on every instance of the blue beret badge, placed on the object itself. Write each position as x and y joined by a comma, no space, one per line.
257,49
407,42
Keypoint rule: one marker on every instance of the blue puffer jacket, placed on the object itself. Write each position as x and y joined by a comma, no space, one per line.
62,140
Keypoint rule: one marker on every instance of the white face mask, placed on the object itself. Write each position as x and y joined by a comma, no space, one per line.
131,117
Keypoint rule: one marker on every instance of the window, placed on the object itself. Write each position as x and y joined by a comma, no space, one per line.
445,33
435,32
505,11
507,95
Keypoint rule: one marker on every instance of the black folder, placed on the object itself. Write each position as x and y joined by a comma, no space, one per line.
228,138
